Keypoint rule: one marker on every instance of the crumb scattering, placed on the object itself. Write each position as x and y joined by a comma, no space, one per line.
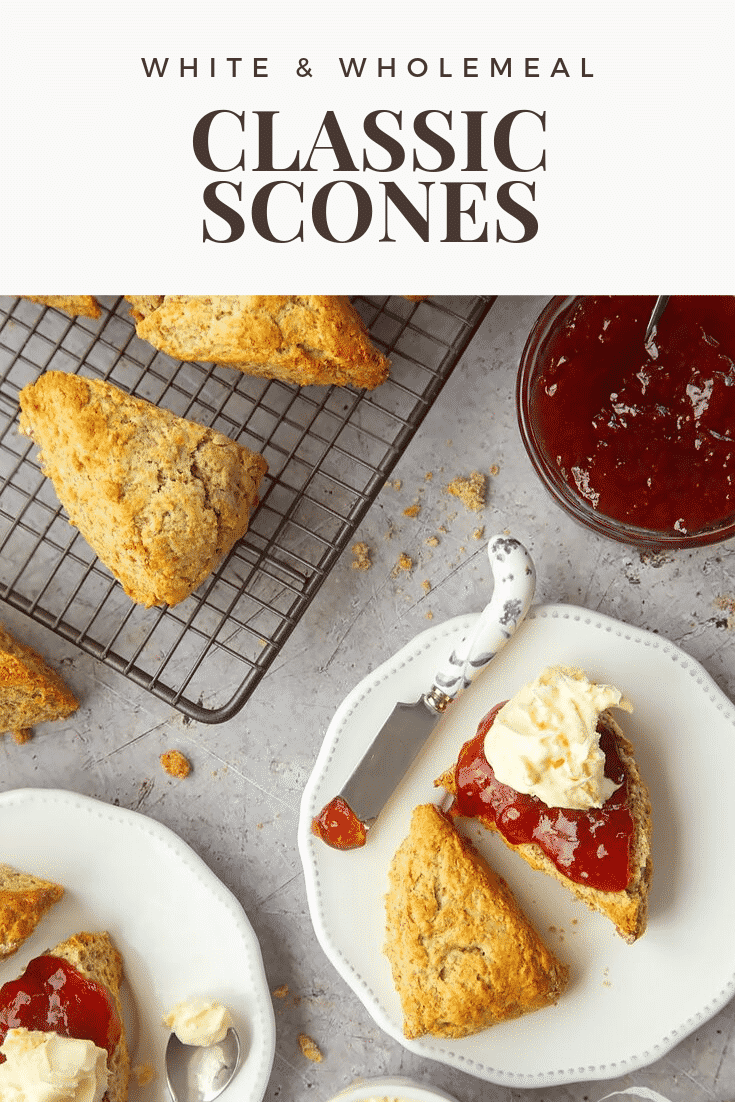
310,1049
412,510
470,490
280,992
361,557
175,764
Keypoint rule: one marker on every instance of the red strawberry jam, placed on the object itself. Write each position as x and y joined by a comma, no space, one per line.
53,996
590,847
338,826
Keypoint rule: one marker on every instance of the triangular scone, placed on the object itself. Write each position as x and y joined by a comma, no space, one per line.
301,339
24,900
627,909
159,499
86,305
97,959
463,954
30,691
143,305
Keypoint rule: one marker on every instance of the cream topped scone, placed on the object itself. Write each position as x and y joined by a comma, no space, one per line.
552,772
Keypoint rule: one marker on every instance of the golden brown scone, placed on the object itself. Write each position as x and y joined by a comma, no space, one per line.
463,954
301,339
627,909
159,499
143,305
30,691
24,900
97,959
85,305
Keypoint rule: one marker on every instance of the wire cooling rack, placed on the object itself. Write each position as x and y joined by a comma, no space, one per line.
329,452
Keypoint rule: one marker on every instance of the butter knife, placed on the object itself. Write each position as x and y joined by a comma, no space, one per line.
409,725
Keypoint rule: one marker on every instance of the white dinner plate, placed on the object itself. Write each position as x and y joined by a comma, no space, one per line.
181,933
626,1005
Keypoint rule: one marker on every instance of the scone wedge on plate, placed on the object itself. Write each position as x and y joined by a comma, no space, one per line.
79,983
30,691
463,955
600,853
300,339
24,900
161,500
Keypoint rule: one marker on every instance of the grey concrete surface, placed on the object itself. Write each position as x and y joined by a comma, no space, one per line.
239,807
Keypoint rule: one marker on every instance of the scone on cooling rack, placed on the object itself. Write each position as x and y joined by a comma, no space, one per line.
300,339
161,500
30,691
74,305
463,955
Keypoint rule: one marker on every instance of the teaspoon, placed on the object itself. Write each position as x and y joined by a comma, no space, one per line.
197,1074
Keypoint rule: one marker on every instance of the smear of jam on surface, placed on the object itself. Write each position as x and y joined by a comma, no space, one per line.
650,442
338,826
590,847
53,996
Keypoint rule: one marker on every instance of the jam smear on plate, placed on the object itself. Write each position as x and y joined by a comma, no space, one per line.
590,847
53,996
338,826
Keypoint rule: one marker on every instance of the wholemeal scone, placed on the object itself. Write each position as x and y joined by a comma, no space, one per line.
159,499
75,305
602,854
24,900
30,691
301,339
78,983
463,955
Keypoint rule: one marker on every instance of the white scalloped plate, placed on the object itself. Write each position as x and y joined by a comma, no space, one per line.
180,930
626,1005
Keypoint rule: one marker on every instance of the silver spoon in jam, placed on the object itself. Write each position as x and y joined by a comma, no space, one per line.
200,1074
649,340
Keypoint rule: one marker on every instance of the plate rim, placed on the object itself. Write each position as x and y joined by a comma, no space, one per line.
307,848
201,870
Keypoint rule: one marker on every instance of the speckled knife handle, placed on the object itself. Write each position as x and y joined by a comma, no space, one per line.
514,577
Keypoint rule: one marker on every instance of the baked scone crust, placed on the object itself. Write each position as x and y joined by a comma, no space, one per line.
96,958
30,691
24,900
628,909
463,955
301,339
75,305
159,499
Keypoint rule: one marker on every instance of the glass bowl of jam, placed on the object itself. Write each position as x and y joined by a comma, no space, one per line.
638,446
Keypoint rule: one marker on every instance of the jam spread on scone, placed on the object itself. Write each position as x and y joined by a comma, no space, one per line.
591,846
53,996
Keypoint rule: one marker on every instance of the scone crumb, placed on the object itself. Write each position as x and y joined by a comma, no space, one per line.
22,734
361,559
429,615
428,476
310,1049
433,541
143,1074
470,490
478,533
280,992
175,764
426,585
412,510
405,563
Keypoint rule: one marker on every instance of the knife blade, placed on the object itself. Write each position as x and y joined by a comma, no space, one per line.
397,743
